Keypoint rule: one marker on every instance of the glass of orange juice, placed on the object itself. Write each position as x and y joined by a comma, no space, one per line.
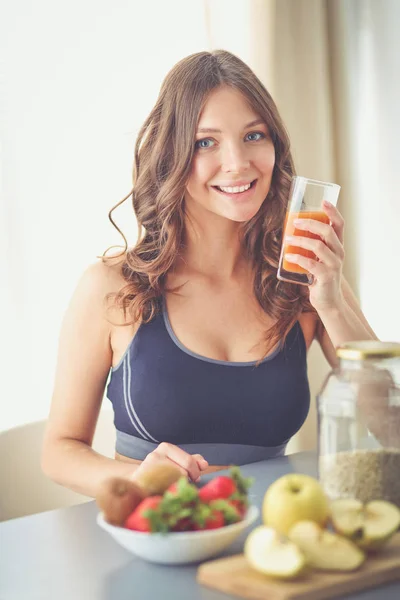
305,202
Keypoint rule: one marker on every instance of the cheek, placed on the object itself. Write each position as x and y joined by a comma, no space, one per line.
201,172
266,161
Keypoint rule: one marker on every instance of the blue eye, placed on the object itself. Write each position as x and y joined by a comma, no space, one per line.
255,136
205,143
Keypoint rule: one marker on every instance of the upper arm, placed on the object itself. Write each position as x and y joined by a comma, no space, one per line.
313,329
84,359
327,347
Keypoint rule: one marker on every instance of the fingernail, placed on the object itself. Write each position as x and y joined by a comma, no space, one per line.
290,257
298,222
197,480
327,203
289,238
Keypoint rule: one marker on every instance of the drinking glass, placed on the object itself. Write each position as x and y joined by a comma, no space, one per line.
305,202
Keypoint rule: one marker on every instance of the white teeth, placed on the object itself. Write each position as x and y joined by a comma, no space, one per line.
234,190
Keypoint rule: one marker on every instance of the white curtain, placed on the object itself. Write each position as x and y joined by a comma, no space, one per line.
79,80
366,97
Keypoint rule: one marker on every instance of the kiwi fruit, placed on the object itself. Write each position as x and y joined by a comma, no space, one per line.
117,498
155,480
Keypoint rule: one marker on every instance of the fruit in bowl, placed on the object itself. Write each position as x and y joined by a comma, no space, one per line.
118,497
184,524
179,547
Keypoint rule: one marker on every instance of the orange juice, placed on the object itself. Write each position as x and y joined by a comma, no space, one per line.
290,229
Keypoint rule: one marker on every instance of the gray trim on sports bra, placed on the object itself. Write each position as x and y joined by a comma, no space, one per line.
179,344
214,361
216,454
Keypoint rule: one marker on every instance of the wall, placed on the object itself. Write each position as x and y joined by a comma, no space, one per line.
79,80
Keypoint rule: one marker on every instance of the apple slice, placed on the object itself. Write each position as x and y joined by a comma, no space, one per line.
324,549
269,553
370,526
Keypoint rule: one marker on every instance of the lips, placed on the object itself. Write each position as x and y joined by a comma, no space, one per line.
237,189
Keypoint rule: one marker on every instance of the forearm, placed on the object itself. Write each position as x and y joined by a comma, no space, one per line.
342,324
77,466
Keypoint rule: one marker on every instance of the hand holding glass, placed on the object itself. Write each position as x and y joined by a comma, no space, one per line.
305,202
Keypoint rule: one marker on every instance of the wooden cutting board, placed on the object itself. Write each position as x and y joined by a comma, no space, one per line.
232,575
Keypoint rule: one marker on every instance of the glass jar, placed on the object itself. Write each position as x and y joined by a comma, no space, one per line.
359,424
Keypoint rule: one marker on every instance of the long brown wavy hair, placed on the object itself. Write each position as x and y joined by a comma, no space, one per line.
163,158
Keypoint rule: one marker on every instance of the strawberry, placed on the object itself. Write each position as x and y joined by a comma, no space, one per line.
178,504
215,514
240,504
242,483
141,518
171,512
233,489
215,520
173,488
239,499
222,501
184,524
182,491
228,509
218,488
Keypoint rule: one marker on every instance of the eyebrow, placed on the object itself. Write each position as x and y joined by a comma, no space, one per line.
212,130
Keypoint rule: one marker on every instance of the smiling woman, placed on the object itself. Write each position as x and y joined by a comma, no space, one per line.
207,349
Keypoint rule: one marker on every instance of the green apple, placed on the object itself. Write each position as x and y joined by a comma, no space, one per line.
294,497
370,526
324,549
269,553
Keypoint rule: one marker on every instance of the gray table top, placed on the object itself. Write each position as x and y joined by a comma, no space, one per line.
63,554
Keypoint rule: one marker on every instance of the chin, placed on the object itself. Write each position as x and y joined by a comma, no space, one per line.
243,215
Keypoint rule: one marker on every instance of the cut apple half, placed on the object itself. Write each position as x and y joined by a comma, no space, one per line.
369,525
324,549
270,553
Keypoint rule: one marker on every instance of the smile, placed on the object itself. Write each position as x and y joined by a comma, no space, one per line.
235,189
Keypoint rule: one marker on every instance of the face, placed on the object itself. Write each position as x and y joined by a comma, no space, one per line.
233,161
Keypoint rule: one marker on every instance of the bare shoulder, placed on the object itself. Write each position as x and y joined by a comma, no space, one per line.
85,355
92,298
105,276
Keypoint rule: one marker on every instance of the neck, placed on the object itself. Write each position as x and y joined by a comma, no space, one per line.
213,247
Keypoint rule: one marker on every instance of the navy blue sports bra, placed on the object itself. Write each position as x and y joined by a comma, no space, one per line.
230,412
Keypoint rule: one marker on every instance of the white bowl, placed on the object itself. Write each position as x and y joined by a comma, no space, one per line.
178,548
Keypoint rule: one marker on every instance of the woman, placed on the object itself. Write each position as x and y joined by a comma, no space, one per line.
207,349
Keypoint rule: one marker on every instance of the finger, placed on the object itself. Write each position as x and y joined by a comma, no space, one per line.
336,219
321,251
318,269
182,459
201,461
150,461
323,231
155,457
182,469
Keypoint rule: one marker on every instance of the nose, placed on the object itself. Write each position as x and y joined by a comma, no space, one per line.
234,159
